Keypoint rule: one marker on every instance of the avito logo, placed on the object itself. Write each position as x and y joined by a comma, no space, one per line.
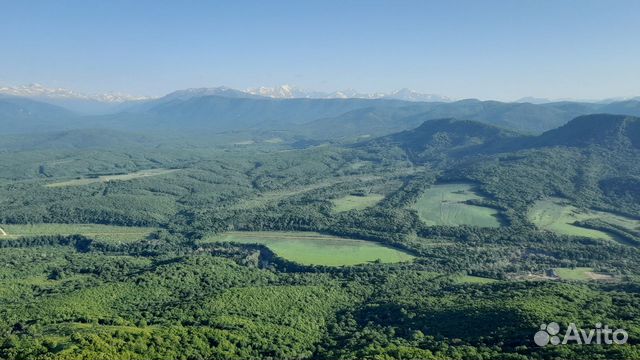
550,334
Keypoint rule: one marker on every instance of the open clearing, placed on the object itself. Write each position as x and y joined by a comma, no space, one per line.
557,215
470,279
445,205
581,274
105,233
105,178
311,248
353,202
272,197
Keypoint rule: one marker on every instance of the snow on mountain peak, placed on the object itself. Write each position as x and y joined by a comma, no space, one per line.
286,91
36,90
278,92
292,92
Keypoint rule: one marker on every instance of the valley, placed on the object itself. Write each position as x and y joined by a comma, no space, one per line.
320,180
191,246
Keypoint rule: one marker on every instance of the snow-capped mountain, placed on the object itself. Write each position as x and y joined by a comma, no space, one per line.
40,91
114,102
411,95
292,92
285,92
73,100
214,91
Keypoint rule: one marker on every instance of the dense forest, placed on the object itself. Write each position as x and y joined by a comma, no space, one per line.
471,291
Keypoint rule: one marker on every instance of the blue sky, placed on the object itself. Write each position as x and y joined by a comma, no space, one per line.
484,49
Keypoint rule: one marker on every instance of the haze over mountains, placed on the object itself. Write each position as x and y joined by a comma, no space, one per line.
81,102
287,111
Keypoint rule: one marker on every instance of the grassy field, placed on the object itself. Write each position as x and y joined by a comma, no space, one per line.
555,214
352,202
469,279
105,178
310,248
580,274
444,205
106,233
270,197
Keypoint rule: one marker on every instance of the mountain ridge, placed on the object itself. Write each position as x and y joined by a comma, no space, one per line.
441,138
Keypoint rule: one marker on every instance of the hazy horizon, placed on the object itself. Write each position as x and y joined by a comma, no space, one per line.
496,50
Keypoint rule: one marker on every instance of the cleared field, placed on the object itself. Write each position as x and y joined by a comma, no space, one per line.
470,279
271,197
352,202
105,233
105,178
310,248
581,274
445,205
555,214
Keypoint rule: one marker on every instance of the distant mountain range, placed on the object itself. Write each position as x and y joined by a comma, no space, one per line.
116,102
292,92
72,100
40,91
215,110
537,100
91,103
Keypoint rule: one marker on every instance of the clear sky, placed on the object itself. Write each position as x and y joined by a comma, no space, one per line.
484,49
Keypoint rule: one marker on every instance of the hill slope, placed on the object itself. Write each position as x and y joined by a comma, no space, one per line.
76,139
617,135
441,137
221,113
598,129
20,115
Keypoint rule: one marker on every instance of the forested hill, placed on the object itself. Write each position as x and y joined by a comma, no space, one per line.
598,129
78,139
330,118
435,138
220,113
23,115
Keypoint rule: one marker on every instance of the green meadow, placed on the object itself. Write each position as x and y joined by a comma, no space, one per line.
106,233
353,202
445,205
470,279
310,248
581,274
555,214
